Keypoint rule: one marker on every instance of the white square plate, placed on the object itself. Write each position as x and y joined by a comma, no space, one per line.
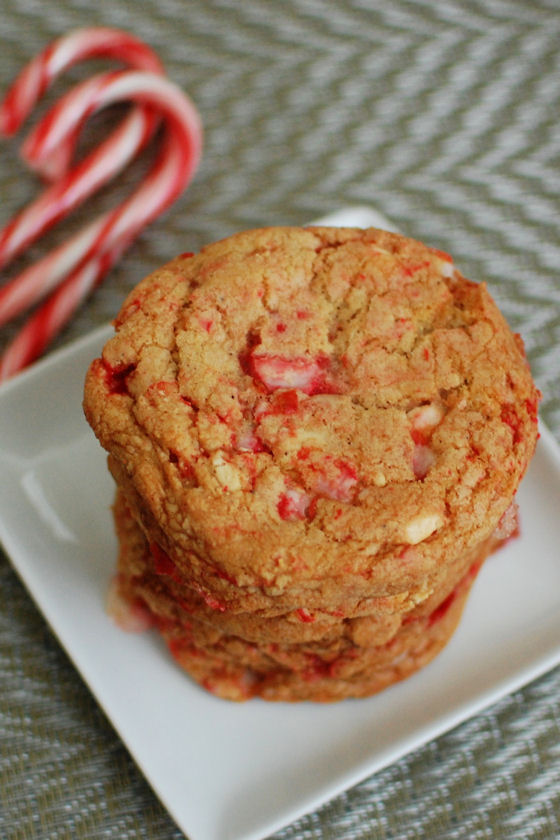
239,772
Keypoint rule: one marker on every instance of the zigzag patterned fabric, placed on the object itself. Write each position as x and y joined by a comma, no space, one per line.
445,116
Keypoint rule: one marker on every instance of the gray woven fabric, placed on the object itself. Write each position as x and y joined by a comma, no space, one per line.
443,115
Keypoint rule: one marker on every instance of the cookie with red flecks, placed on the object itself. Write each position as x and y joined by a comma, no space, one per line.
328,413
234,669
299,656
319,420
147,578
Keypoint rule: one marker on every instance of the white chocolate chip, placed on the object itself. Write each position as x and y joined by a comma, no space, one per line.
228,476
420,595
379,479
316,437
508,524
452,380
426,417
446,267
423,460
420,527
371,549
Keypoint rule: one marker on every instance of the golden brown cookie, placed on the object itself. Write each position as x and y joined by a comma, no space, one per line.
147,575
321,411
237,656
313,422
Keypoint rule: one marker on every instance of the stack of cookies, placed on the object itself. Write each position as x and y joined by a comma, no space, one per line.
316,436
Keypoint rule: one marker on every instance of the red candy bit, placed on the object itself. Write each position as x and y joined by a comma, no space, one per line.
448,602
185,469
307,375
471,574
532,406
175,648
334,478
474,453
420,436
163,564
305,616
206,324
115,377
250,465
410,270
165,389
510,417
447,267
285,402
282,403
293,505
341,485
442,255
443,608
312,509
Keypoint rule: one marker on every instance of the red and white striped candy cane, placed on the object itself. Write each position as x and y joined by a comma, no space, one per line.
71,188
89,254
92,95
38,75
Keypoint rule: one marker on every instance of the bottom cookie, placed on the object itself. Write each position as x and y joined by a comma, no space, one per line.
236,668
353,673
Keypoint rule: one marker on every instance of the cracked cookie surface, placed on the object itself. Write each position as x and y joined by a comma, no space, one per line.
313,418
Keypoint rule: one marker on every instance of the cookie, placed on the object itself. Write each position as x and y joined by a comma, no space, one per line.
300,656
146,576
313,422
352,658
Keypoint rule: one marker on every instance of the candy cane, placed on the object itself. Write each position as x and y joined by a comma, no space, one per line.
89,254
38,75
88,97
74,187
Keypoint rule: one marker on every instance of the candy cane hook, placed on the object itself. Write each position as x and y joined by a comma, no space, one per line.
71,188
89,254
75,267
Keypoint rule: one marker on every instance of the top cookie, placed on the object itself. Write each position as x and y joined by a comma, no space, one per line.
313,417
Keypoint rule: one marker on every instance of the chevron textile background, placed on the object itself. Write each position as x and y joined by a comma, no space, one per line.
445,116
